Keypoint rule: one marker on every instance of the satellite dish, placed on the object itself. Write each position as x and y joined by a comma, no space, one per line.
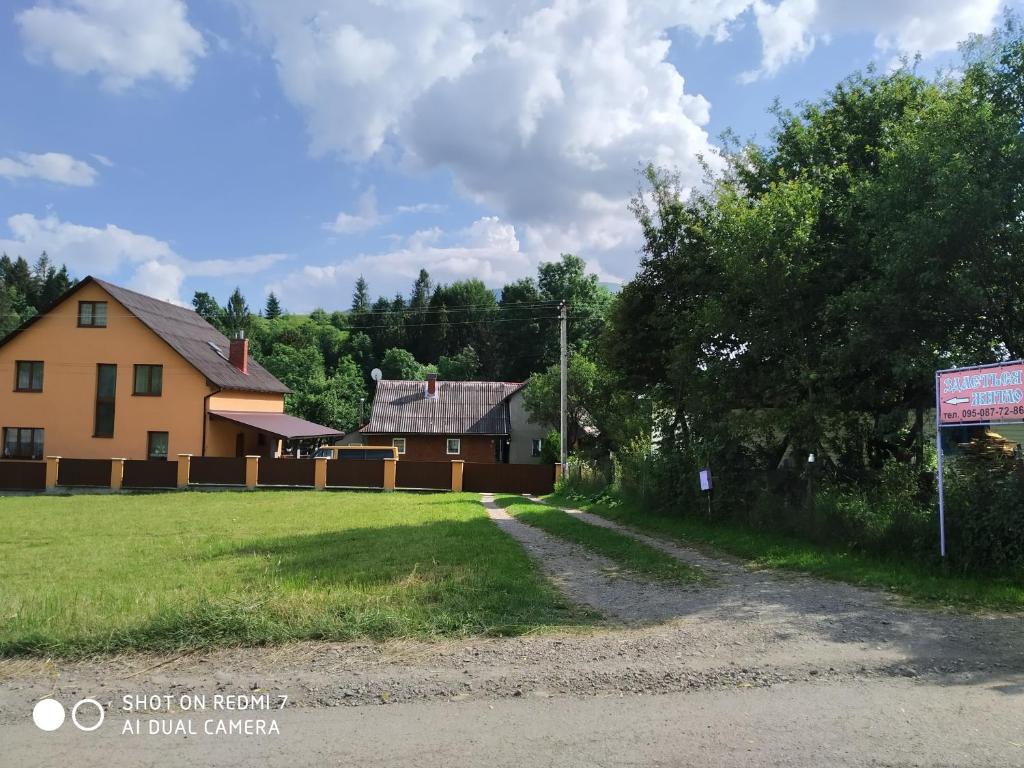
376,374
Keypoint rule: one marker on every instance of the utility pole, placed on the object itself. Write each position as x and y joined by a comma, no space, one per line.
562,318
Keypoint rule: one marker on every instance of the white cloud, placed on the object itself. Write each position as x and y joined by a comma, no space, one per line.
541,111
121,41
50,166
154,266
790,29
488,249
102,159
422,208
365,217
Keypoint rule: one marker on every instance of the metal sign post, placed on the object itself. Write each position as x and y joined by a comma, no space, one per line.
974,396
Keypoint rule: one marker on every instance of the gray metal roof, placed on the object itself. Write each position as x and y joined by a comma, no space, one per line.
460,408
196,340
202,345
280,424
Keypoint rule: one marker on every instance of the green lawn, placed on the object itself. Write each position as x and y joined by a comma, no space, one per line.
84,574
918,581
629,553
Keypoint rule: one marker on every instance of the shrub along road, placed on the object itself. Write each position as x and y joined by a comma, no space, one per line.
755,668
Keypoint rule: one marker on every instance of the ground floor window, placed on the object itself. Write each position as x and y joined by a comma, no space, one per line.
399,443
454,446
157,446
23,443
538,444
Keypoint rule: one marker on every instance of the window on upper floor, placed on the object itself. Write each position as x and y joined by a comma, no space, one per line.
538,444
29,376
149,380
399,444
106,389
454,446
92,314
23,443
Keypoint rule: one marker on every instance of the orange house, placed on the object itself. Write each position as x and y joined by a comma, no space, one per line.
105,372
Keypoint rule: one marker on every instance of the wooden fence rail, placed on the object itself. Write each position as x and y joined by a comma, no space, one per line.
150,474
84,472
254,471
22,475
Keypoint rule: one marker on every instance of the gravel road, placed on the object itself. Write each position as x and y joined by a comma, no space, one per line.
776,669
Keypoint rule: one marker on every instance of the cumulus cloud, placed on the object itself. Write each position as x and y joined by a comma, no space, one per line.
121,41
488,249
50,166
154,266
365,217
790,29
541,111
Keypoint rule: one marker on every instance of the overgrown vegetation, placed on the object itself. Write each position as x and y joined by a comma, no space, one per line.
799,304
632,555
88,574
922,581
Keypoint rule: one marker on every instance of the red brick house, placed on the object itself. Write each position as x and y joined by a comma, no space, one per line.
476,421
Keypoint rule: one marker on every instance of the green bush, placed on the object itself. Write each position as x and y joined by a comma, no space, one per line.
984,514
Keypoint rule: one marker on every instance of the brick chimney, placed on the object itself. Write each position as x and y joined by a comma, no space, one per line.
431,385
238,356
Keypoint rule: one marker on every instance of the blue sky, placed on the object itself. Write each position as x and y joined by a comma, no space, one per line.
176,146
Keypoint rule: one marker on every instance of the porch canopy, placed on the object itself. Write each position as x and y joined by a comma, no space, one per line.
280,424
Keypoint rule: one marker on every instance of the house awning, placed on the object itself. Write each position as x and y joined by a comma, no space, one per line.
280,424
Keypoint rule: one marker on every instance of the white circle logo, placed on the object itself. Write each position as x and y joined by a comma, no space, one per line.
48,714
74,715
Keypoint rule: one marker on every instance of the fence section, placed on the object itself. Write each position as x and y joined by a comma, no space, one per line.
212,470
286,472
150,474
435,475
22,475
538,479
92,472
355,474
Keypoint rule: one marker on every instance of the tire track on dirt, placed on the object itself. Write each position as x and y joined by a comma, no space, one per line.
593,580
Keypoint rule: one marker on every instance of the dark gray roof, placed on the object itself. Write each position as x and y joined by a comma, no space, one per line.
196,340
187,334
280,424
460,408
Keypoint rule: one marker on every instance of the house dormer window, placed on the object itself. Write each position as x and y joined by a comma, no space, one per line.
92,314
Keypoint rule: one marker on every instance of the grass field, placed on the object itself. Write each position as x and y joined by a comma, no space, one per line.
764,549
84,574
629,553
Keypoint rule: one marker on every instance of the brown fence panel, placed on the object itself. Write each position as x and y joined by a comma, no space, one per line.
287,472
423,474
538,479
22,475
84,472
215,470
355,473
150,474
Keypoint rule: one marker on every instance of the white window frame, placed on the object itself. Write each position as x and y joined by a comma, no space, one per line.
399,444
448,446
536,446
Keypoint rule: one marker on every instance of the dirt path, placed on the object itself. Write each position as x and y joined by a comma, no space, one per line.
748,632
593,580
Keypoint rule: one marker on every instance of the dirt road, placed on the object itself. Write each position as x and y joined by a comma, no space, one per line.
756,669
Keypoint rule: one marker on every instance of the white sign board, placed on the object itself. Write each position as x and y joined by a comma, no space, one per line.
705,479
